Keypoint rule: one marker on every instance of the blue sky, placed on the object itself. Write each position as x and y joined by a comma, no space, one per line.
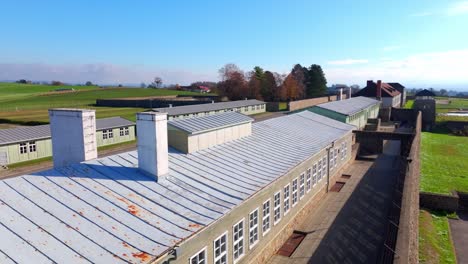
420,43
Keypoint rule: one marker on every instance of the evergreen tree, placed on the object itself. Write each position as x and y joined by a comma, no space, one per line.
316,82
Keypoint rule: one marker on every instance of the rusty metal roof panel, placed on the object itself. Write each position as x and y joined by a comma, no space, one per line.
106,211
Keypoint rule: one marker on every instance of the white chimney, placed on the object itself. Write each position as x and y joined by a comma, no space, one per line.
340,94
73,135
153,157
349,92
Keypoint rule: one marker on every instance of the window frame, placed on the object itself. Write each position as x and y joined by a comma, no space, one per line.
32,146
319,170
266,217
276,221
309,180
121,131
197,254
314,175
110,133
226,247
241,239
301,186
286,199
324,166
104,134
294,193
254,228
23,148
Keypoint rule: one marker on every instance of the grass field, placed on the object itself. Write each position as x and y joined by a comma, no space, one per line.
435,242
444,165
454,104
409,104
27,104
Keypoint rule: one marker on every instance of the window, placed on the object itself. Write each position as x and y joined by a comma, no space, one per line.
324,166
32,146
127,131
121,132
253,228
294,192
314,175
220,249
331,159
342,151
104,134
277,208
246,108
301,185
308,179
263,106
238,240
199,258
286,200
266,217
319,175
335,163
110,133
23,147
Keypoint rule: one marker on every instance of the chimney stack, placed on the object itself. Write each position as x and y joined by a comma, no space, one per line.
73,135
379,90
349,92
340,94
153,157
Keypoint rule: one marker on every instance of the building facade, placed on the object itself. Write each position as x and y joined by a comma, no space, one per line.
29,143
381,91
246,107
233,202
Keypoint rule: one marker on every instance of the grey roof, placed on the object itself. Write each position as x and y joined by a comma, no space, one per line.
106,211
207,123
190,109
349,106
22,134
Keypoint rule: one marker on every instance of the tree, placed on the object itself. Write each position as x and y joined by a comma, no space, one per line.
300,74
443,92
57,83
233,84
157,83
23,81
229,69
88,83
316,82
256,81
269,87
289,89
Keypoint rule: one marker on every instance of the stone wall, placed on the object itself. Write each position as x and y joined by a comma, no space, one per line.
407,246
435,201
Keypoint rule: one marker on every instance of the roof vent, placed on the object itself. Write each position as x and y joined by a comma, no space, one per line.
194,134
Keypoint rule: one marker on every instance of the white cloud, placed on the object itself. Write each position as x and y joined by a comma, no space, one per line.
458,8
98,73
347,62
436,69
391,48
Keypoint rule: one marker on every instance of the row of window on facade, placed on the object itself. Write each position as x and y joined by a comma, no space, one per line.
292,193
109,133
26,147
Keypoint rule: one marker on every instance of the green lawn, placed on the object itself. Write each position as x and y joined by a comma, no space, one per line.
435,242
27,104
454,103
444,163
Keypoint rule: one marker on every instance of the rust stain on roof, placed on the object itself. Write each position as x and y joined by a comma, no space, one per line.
142,255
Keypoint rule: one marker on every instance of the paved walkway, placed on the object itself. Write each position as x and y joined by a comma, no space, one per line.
349,226
459,232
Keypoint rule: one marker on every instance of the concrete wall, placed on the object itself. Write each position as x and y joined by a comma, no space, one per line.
268,243
428,110
359,119
407,246
247,110
301,104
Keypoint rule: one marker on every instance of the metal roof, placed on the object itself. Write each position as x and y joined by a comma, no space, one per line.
190,109
22,134
106,211
349,106
207,123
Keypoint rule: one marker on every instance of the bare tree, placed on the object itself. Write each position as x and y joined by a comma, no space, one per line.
157,82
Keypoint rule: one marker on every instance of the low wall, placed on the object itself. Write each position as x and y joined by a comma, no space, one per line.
148,103
306,103
436,201
404,115
273,106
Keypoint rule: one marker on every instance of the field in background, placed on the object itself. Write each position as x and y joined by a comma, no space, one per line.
435,242
445,104
409,104
444,163
27,104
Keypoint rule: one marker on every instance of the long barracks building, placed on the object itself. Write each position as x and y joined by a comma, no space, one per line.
232,198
